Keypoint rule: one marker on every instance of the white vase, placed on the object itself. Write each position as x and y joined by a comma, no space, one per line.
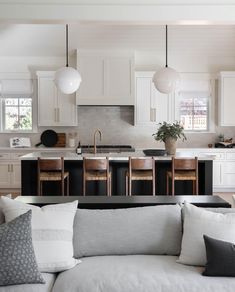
170,145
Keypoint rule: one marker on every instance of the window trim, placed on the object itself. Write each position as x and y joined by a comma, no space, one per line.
34,117
211,105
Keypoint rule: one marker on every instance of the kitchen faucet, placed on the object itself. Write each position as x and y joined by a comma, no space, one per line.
96,131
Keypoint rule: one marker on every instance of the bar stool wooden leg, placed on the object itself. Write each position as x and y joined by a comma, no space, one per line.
127,185
167,184
62,187
68,185
84,186
154,186
130,186
197,187
110,185
172,186
107,186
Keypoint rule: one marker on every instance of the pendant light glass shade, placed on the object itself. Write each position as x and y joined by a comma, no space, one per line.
167,79
67,79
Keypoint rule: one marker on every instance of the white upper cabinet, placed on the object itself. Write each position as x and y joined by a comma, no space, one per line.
107,78
54,107
227,99
151,106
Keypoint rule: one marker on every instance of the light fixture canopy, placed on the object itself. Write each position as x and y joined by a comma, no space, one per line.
167,79
67,79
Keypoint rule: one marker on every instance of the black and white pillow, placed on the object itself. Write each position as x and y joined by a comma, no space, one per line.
220,257
17,259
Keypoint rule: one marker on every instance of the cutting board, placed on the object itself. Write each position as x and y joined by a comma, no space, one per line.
61,140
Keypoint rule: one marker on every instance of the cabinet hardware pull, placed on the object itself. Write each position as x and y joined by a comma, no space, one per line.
153,114
58,115
55,115
12,168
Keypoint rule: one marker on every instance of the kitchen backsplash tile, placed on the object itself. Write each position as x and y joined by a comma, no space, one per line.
116,124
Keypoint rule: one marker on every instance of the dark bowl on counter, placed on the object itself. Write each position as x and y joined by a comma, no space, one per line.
155,152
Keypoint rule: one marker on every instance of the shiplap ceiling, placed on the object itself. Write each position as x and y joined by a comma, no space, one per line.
49,40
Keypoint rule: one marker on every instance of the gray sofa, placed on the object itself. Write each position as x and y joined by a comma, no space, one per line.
129,250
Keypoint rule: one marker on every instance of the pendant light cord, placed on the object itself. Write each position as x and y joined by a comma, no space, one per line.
67,45
166,45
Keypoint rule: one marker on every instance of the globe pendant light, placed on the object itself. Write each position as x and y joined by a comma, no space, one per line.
67,79
166,79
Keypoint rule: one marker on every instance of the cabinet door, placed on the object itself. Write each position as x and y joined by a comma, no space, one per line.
15,175
227,101
143,100
91,90
66,110
5,175
151,105
118,80
217,173
228,174
47,102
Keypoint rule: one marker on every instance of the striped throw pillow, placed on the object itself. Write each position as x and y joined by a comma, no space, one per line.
52,232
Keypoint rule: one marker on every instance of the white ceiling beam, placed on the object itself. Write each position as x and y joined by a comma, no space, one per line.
136,14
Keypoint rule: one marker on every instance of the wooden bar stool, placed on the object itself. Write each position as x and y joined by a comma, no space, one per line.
96,169
183,169
140,168
52,170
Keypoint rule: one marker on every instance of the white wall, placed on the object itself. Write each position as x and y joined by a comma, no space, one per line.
191,49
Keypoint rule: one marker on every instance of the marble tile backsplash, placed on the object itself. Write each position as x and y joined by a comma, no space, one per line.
117,127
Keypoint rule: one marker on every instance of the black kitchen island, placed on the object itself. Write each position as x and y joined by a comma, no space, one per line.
118,167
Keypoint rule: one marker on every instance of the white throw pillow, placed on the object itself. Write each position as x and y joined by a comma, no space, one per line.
197,222
52,231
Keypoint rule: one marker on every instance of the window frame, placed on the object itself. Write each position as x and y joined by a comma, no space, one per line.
2,112
210,101
183,95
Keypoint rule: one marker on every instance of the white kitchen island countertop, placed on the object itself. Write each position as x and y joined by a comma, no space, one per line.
122,156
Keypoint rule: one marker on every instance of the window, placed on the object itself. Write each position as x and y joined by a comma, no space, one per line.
17,114
194,111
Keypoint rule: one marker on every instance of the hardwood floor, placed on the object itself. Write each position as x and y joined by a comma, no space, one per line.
227,197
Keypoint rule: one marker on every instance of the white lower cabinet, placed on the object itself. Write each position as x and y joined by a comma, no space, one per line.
217,174
5,178
10,171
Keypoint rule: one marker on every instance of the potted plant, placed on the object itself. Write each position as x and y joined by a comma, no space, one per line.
169,134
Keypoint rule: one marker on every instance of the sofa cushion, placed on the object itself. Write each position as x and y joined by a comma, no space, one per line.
138,273
47,287
17,258
145,230
52,230
198,222
220,258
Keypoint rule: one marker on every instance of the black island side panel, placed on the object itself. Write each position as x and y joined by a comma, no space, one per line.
118,169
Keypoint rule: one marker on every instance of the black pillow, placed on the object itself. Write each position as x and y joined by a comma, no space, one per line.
220,258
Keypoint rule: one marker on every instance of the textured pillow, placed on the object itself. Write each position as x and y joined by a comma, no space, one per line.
145,230
198,222
17,259
220,258
52,230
